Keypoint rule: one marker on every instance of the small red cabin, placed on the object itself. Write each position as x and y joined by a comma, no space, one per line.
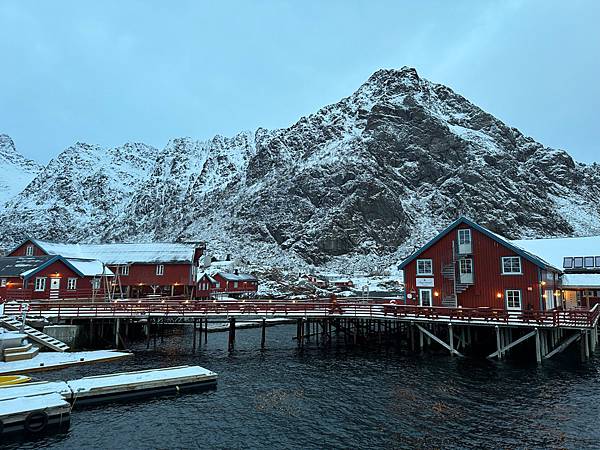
223,283
467,265
52,278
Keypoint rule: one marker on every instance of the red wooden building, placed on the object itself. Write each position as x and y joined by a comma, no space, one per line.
140,268
467,265
52,278
226,284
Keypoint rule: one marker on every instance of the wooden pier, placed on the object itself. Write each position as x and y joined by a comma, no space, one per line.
458,331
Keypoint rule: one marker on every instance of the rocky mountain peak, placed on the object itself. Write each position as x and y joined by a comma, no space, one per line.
355,186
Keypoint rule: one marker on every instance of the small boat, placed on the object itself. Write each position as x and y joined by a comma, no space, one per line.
11,380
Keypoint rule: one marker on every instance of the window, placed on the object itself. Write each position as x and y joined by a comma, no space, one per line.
3,282
464,236
72,284
568,263
235,284
160,269
40,284
124,270
424,267
29,250
217,285
425,297
96,283
511,265
597,261
588,261
513,299
578,262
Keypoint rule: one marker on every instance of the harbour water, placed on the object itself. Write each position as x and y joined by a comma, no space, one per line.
337,397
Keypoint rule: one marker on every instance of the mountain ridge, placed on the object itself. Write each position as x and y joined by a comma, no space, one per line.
354,186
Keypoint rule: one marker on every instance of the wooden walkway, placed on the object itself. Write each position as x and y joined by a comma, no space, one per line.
193,309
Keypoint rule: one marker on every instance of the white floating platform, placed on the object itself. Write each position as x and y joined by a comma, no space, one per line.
118,386
34,414
128,385
59,360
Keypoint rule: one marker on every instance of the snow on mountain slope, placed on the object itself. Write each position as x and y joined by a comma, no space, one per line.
17,171
353,187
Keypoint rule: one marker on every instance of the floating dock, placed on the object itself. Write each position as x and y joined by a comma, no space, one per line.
34,414
59,360
118,386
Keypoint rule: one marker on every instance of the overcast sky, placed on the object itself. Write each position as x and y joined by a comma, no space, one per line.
115,71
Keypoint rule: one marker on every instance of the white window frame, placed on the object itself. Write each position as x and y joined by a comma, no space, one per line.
464,232
568,262
71,284
29,250
95,283
578,262
40,284
504,272
511,292
3,282
424,261
587,259
124,270
235,284
430,292
160,269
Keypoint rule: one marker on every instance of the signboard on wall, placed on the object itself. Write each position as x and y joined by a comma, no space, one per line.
425,282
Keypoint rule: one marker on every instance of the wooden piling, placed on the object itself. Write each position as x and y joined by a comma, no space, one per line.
263,334
231,343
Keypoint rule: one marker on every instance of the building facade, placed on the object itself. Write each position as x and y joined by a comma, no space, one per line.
223,284
467,265
141,269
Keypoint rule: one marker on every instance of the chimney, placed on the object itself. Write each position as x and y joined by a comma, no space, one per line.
236,272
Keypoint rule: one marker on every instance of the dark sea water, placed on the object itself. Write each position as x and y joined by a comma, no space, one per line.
284,398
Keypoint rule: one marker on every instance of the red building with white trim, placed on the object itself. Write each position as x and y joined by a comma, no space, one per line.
467,265
52,278
229,284
140,268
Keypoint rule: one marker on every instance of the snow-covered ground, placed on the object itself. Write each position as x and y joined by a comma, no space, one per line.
58,360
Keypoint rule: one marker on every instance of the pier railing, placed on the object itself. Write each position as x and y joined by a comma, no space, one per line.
577,318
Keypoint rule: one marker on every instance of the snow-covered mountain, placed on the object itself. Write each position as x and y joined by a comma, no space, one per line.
17,171
355,186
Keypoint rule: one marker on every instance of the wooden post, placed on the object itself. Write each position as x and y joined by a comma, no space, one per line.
451,338
205,331
231,333
538,350
307,330
117,333
498,342
420,340
586,344
194,336
263,334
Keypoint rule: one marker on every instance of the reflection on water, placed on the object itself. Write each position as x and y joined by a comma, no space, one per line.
340,398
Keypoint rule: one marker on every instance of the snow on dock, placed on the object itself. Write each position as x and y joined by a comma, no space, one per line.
34,413
56,360
140,383
96,389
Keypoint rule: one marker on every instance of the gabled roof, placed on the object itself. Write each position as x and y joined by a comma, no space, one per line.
237,276
555,249
121,253
538,261
27,266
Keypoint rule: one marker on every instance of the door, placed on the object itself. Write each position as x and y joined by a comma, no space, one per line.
54,287
425,297
465,269
464,242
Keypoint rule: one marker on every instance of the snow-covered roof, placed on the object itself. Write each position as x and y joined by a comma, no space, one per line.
90,267
238,276
122,253
15,266
554,250
581,280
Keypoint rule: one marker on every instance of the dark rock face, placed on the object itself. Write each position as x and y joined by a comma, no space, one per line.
357,184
